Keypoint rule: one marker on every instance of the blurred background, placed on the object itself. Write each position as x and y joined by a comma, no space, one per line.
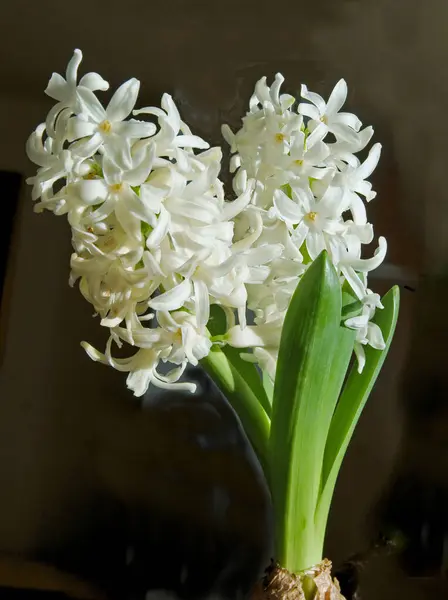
101,494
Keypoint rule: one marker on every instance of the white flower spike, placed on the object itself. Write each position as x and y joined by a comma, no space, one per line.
156,243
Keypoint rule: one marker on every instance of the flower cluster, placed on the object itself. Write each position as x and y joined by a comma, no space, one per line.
309,196
151,230
156,243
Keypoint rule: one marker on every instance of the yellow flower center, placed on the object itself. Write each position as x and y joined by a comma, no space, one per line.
279,137
324,119
105,126
116,187
311,216
178,336
299,163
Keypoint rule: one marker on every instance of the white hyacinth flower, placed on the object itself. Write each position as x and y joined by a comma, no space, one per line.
314,188
153,234
156,242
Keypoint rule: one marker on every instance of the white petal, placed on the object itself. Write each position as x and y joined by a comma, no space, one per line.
57,88
202,303
287,209
94,82
364,138
161,382
357,322
123,101
130,223
263,254
186,209
86,148
94,354
315,243
135,129
139,174
90,105
337,97
316,99
119,149
190,141
253,336
365,265
316,136
354,281
150,110
173,114
357,208
308,110
375,336
304,197
151,265
344,133
368,166
174,298
79,128
71,72
229,137
363,232
160,230
152,196
360,356
232,209
299,234
52,116
347,120
92,191
112,173
275,88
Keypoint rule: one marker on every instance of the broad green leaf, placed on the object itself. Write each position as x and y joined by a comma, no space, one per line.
352,401
313,358
239,393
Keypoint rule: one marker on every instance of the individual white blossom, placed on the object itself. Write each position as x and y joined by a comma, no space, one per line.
366,331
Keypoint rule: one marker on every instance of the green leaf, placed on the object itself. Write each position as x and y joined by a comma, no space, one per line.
352,309
217,323
268,385
240,394
246,370
352,401
310,372
351,305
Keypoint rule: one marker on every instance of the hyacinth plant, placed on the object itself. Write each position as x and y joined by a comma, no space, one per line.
265,285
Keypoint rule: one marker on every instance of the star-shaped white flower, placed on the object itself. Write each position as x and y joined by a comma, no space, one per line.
97,126
312,219
65,90
326,115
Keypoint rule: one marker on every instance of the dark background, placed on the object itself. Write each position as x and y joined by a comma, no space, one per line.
167,494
